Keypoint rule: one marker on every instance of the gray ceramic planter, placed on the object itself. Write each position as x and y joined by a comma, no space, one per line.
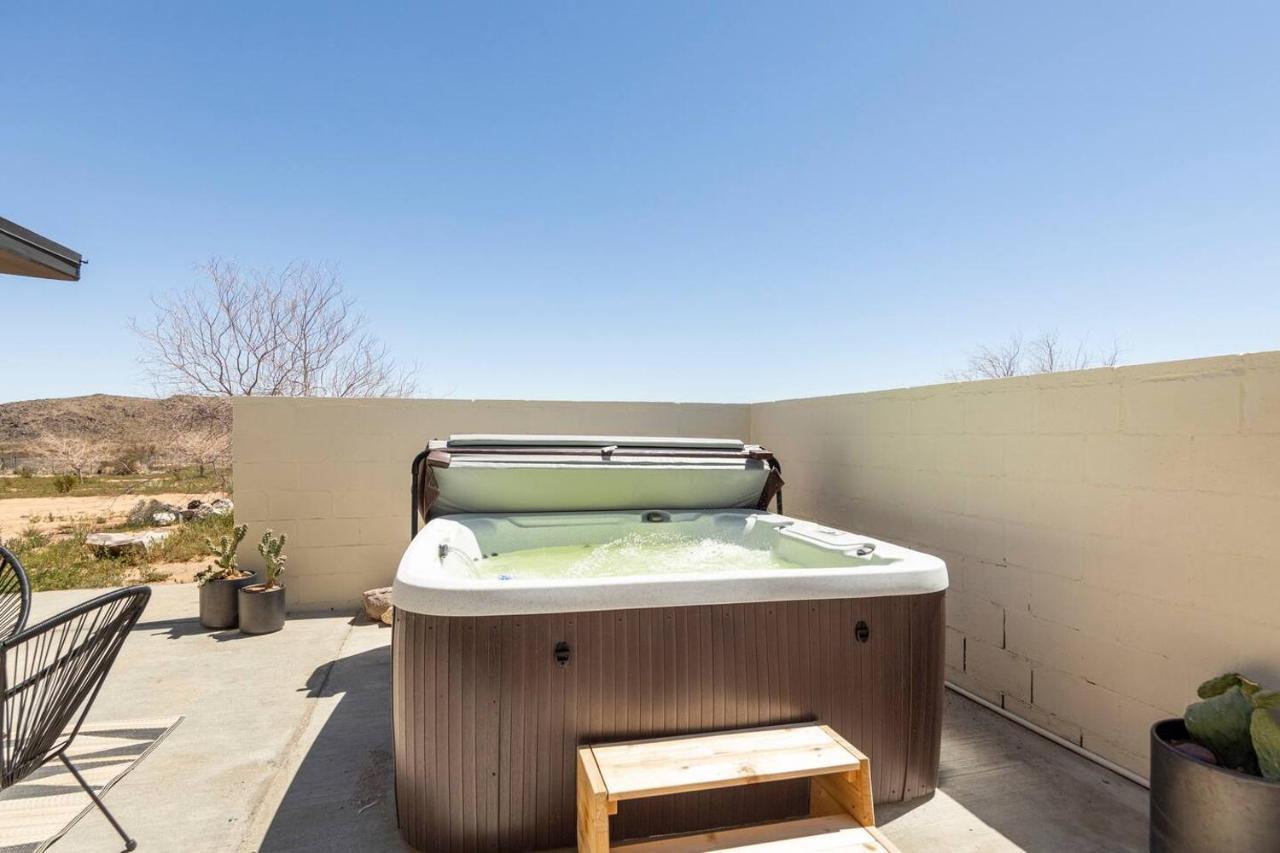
1198,807
218,605
261,610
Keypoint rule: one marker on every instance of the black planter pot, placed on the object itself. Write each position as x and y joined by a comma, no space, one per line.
218,606
1200,808
261,610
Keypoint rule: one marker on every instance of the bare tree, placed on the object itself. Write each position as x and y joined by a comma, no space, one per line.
1045,353
71,452
998,362
1109,357
1048,354
195,433
200,448
244,333
197,412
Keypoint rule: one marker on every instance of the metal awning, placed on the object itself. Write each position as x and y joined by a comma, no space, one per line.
24,252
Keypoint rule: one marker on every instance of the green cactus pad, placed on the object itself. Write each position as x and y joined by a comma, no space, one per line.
1264,726
1221,723
272,550
224,553
1223,683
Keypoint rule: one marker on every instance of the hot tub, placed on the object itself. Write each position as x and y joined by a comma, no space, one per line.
570,590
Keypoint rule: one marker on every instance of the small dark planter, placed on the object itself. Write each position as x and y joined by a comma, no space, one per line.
261,609
1198,807
218,606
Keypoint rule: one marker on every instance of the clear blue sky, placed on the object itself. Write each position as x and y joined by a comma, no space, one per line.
689,201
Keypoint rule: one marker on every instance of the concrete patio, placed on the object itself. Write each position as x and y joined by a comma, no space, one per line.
286,746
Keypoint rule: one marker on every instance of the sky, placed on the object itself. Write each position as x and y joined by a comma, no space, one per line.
661,200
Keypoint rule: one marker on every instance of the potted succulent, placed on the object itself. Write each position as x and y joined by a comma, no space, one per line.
220,581
262,605
1215,773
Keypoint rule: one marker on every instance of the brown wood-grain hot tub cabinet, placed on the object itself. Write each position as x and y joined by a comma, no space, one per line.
487,720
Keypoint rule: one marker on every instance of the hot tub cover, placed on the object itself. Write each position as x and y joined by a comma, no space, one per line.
575,473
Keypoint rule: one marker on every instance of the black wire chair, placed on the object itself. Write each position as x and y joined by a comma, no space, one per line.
15,594
50,675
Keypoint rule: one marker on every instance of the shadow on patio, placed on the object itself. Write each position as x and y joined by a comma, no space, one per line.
341,796
1002,787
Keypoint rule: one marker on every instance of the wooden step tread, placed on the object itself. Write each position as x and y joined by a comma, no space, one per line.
647,768
807,835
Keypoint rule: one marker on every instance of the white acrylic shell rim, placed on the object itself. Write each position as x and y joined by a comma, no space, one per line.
421,585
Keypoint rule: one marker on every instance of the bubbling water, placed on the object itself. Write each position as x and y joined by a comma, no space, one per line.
633,554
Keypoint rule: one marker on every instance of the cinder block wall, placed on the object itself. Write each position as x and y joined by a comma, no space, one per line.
334,474
1111,535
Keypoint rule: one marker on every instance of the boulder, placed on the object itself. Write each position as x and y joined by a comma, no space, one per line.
221,506
144,512
200,509
160,514
377,604
112,544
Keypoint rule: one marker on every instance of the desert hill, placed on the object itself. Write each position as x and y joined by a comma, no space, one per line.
112,418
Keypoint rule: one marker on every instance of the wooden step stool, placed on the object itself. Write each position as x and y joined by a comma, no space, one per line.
841,813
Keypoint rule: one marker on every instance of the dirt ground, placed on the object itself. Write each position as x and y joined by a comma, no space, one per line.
54,515
19,514
178,572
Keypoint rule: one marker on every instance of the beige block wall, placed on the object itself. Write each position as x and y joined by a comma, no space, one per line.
334,474
1111,535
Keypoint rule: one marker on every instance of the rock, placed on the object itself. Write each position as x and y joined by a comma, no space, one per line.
221,506
145,511
199,509
160,514
377,604
142,512
118,543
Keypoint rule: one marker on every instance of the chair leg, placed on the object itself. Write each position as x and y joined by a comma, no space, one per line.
129,843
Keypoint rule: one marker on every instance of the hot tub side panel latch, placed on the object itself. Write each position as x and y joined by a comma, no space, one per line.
861,632
562,653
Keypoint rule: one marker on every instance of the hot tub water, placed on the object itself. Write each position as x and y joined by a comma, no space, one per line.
632,554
